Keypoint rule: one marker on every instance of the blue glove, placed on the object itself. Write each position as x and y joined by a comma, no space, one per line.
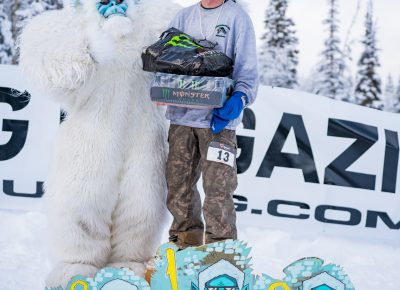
218,124
231,110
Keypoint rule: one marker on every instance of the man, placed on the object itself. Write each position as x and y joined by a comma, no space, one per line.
194,133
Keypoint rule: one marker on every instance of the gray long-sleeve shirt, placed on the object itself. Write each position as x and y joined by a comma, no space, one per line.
234,33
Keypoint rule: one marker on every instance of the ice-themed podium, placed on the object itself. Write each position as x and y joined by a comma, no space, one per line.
219,266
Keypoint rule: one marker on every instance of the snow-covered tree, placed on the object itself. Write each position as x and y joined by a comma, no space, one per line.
368,86
331,79
279,55
29,8
390,94
24,10
6,40
396,104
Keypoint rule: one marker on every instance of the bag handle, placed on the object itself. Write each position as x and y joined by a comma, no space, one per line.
169,31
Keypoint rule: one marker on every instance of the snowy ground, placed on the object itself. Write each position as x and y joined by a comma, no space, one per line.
24,258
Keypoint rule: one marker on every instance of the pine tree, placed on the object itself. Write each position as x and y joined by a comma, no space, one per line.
368,89
389,94
6,40
279,54
396,104
331,80
24,10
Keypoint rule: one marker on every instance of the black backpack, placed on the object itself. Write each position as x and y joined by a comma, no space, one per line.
179,53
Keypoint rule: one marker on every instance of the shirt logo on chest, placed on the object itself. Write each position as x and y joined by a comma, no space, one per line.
222,30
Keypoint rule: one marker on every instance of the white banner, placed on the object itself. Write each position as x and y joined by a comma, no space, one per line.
313,165
307,164
28,123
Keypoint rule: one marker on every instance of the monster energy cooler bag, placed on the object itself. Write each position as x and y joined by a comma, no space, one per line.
178,53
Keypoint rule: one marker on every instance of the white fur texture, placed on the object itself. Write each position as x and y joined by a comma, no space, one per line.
106,189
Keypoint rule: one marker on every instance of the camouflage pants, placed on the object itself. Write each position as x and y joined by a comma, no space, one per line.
186,161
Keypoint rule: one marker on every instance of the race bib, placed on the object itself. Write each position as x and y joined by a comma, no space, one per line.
221,153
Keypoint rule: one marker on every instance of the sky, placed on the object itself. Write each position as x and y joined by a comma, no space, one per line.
308,16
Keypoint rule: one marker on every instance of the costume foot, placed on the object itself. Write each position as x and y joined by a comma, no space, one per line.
64,272
138,268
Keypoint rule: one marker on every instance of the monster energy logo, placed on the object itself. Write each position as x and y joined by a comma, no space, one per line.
195,85
181,84
182,41
166,93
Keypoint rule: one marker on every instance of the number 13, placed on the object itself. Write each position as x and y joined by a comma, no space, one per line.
226,159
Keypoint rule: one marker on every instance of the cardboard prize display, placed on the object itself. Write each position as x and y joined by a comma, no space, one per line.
190,91
219,266
187,73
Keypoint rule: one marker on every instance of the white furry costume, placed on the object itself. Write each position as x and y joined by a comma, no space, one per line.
106,189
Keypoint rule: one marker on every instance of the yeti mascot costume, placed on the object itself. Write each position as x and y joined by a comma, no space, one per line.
106,188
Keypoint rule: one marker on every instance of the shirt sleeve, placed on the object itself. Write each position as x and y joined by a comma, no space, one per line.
245,72
176,21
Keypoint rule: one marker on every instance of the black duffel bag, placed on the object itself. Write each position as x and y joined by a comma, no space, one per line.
178,53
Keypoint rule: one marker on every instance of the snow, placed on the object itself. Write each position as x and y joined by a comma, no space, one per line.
24,257
23,250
